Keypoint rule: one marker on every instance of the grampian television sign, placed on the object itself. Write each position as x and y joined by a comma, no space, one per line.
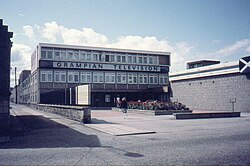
244,65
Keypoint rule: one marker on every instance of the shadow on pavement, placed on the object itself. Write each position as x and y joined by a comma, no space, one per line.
41,132
99,121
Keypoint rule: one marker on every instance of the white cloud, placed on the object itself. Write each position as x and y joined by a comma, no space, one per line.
28,31
55,33
20,58
248,48
21,14
238,45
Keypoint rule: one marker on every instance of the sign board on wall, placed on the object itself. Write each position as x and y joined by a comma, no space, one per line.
83,95
244,65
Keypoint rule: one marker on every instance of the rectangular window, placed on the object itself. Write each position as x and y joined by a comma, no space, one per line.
129,59
134,59
107,58
83,56
73,77
63,76
46,76
110,78
118,58
153,79
63,55
86,77
60,76
145,59
140,59
46,53
95,56
70,55
88,56
49,54
98,78
57,76
163,79
150,60
124,59
112,58
57,55
43,54
76,55
50,76
132,78
43,76
121,78
143,79
155,60
107,98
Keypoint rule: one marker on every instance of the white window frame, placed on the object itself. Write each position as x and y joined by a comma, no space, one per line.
100,77
46,74
163,79
140,59
60,74
56,56
89,56
132,78
120,57
74,74
76,55
154,78
46,51
70,55
143,79
88,77
122,79
110,78
83,55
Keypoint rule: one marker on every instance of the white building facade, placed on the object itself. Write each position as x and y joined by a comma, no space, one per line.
112,73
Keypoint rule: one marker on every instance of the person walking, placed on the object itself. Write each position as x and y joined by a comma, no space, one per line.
124,107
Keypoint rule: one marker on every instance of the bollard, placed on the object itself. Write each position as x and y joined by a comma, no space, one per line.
86,115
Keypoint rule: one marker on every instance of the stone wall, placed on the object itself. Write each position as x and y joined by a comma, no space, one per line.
214,93
5,48
82,114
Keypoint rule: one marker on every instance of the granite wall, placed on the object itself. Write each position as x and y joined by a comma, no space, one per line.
214,93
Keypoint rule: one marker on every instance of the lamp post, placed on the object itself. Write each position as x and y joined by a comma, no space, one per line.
15,86
233,101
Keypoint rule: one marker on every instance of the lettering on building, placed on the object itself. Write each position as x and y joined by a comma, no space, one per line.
78,65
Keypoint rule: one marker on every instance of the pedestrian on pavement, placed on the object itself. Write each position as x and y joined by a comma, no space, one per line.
118,102
124,107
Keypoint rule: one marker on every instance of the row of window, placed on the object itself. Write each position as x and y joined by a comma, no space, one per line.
98,77
57,54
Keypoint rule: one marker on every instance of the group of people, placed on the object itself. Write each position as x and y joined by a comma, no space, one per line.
123,105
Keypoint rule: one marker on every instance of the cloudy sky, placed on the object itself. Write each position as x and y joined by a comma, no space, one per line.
189,29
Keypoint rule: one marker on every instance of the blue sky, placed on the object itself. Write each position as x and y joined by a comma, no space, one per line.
190,29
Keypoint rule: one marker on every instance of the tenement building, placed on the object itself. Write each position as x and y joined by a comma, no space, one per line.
214,87
111,73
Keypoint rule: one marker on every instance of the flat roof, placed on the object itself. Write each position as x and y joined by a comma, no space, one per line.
105,49
202,60
205,71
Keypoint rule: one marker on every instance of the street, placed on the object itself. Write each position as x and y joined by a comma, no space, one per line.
49,139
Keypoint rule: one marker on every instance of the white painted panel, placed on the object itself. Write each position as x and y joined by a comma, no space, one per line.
83,94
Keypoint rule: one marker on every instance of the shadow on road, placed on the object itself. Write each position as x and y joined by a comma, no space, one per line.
100,121
41,132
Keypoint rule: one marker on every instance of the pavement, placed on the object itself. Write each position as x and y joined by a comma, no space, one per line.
48,139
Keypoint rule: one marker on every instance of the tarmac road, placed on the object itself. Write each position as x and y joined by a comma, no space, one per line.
53,140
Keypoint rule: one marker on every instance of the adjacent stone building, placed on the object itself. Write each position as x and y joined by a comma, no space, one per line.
5,48
218,87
